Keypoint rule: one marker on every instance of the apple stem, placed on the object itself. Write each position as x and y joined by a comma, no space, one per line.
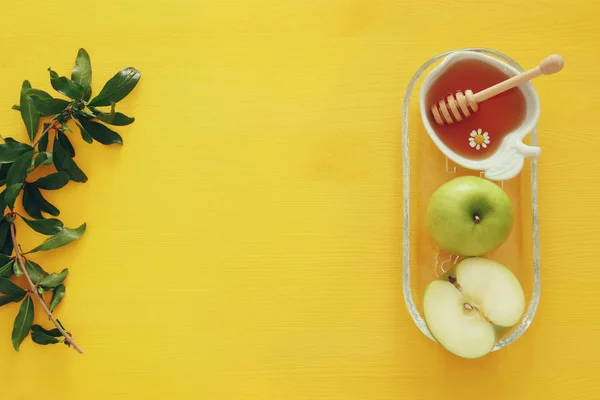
477,219
453,281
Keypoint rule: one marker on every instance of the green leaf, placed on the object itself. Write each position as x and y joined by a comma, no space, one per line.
52,280
50,106
9,288
4,231
87,93
38,160
5,236
18,171
7,246
2,202
17,269
10,151
63,162
65,128
85,114
43,142
7,268
84,134
23,322
11,291
55,332
50,332
119,119
112,118
4,168
53,181
11,194
29,113
4,300
16,107
43,339
57,295
31,201
66,143
35,271
34,203
39,93
96,112
82,72
43,158
49,226
117,87
64,237
101,133
66,86
11,299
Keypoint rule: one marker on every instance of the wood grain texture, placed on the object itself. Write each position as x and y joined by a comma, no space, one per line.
245,242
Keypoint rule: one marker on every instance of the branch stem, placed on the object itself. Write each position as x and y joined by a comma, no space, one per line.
53,123
33,289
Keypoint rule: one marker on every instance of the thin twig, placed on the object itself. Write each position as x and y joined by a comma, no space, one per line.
33,290
53,123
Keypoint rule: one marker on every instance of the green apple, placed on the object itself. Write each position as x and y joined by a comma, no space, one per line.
467,308
469,216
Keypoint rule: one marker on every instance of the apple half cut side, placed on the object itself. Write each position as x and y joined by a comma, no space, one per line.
466,308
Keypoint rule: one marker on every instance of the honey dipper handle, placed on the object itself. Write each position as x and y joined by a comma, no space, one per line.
550,65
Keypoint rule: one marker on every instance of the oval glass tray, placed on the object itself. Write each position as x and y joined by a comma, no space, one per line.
424,169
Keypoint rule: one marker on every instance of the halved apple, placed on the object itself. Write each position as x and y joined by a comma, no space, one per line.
466,308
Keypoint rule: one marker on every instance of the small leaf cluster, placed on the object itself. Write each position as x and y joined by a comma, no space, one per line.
73,111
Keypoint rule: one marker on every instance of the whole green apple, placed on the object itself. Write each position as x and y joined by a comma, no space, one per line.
469,216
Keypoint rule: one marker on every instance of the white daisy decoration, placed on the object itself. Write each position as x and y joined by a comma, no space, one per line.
479,139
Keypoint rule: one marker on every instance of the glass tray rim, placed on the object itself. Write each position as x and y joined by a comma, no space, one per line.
408,298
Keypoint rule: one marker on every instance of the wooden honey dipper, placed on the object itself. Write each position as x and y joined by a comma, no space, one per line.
459,106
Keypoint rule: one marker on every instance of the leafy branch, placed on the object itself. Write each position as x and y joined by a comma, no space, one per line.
20,323
51,150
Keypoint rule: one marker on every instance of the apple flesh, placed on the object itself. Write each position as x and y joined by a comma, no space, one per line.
466,308
469,216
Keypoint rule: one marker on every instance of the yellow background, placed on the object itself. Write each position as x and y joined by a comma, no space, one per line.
245,241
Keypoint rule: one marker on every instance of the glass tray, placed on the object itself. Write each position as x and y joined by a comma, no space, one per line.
424,169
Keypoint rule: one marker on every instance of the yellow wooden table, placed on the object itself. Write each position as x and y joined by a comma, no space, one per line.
244,243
